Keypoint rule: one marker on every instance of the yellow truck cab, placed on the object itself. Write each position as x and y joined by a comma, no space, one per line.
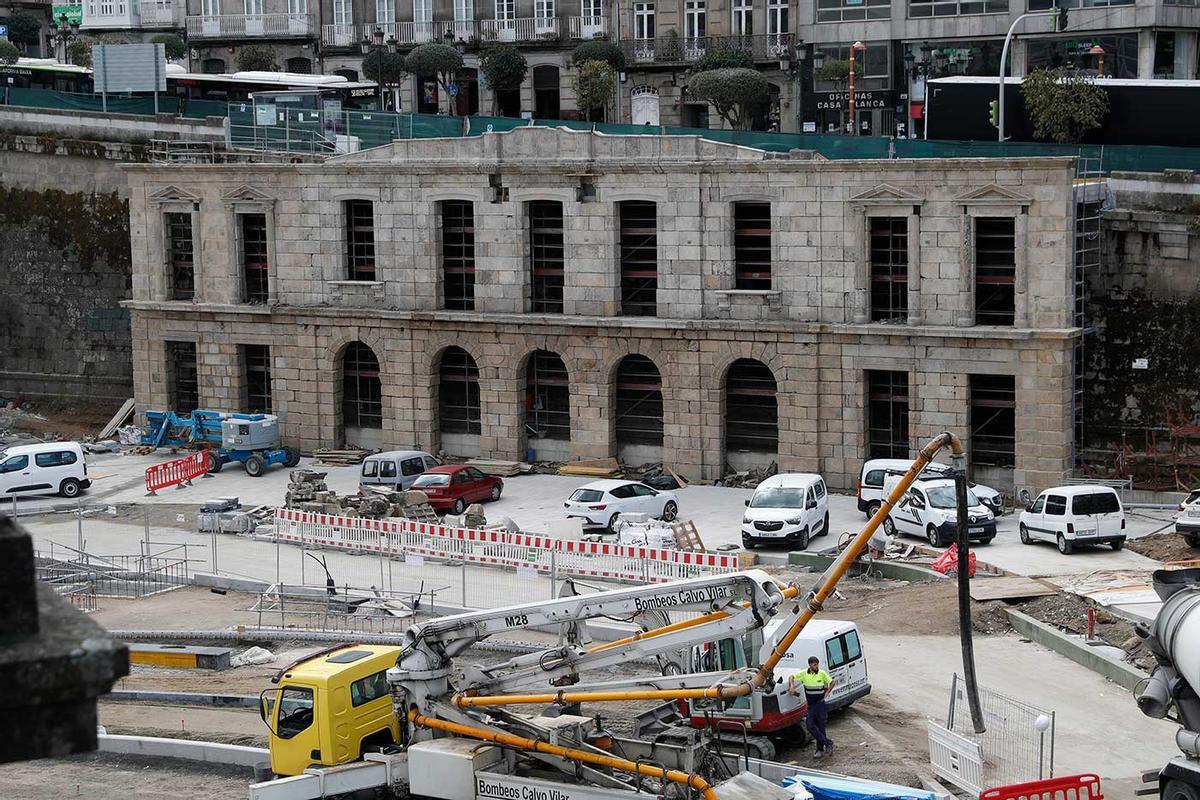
327,708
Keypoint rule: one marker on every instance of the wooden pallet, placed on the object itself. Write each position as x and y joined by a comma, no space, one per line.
503,469
593,468
686,535
339,458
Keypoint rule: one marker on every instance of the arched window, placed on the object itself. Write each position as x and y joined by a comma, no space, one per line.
458,393
639,415
362,391
751,409
547,397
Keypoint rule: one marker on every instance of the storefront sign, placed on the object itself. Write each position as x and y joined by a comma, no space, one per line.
74,13
833,101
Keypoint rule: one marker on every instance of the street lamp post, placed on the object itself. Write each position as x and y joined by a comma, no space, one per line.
62,32
1098,51
374,46
853,122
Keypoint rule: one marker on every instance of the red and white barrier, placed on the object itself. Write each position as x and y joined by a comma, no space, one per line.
1084,786
177,472
497,548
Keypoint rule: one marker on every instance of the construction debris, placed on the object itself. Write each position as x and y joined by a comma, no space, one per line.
686,536
502,469
748,479
303,487
340,458
118,419
592,468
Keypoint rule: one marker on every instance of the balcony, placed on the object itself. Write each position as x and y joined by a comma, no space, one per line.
250,26
527,29
161,14
678,50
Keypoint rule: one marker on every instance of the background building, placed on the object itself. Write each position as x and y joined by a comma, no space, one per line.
656,298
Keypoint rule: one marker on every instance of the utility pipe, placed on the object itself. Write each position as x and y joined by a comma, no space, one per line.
690,780
813,603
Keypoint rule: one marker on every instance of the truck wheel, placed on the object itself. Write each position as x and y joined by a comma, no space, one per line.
1192,539
1117,544
215,462
889,527
255,466
69,488
749,544
1025,536
1064,546
291,457
803,542
872,507
1178,790
934,537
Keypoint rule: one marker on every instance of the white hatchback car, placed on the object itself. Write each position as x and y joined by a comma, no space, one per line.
790,508
599,503
1187,521
929,510
877,470
1073,515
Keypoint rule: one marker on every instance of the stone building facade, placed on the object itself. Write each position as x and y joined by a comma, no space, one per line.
581,295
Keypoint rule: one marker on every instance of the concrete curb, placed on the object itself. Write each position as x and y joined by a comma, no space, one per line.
185,698
1122,674
189,749
229,584
888,569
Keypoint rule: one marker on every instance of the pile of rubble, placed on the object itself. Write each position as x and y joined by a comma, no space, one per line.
748,479
307,491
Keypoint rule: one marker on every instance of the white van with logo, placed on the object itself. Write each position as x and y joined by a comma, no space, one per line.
929,510
1073,515
395,470
790,508
876,470
53,467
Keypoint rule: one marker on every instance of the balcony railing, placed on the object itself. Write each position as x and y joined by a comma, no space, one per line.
160,15
249,26
675,49
526,29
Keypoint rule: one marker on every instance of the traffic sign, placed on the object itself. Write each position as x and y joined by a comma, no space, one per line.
3,31
453,89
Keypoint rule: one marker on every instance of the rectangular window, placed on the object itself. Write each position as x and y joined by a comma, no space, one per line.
993,420
253,237
695,19
360,240
256,378
368,689
458,255
506,10
385,10
183,384
872,66
752,245
887,414
543,9
889,269
955,8
422,10
546,255
593,9
777,17
639,258
342,13
643,20
995,270
181,255
464,10
742,17
853,10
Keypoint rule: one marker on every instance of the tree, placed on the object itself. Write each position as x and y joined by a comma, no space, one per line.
386,69
722,58
503,67
24,30
8,52
594,83
733,92
174,45
257,58
1063,106
79,52
836,70
599,50
437,59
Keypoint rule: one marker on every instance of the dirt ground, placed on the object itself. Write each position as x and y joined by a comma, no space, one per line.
63,419
97,776
190,608
1165,546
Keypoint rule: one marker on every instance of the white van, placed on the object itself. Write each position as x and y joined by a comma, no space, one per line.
929,510
789,508
53,467
876,470
396,469
835,643
1073,515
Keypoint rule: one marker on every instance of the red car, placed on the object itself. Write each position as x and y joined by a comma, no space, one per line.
453,488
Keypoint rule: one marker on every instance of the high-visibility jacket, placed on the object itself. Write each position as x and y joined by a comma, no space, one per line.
814,684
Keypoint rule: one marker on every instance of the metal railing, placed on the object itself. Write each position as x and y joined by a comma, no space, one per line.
160,14
87,575
523,29
1018,744
249,26
177,151
676,49
348,609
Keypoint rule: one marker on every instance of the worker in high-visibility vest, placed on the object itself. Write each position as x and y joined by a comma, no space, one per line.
816,683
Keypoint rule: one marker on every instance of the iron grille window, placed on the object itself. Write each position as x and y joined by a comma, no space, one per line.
360,240
852,10
639,402
955,8
183,384
887,414
751,409
889,269
639,258
995,270
256,378
181,254
547,397
362,391
993,420
546,255
752,245
255,287
458,392
458,254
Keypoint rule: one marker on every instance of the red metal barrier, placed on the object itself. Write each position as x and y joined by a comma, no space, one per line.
1068,787
179,471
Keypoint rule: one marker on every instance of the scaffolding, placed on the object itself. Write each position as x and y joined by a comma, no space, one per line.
1091,195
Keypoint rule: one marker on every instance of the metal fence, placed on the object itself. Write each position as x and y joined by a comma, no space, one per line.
345,608
1017,745
77,574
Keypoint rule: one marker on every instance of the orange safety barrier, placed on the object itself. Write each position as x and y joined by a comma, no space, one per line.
177,472
1068,787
